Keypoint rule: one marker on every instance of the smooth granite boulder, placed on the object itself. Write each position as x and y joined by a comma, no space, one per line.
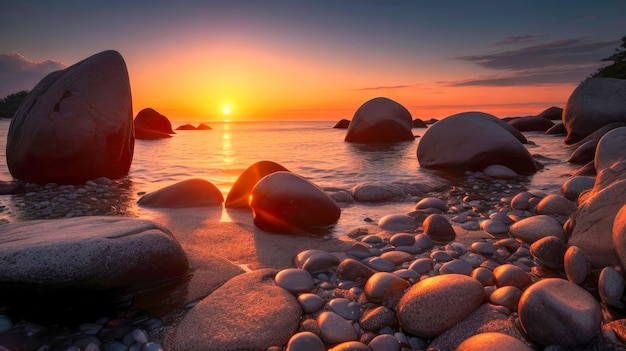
283,202
492,341
472,141
619,235
380,120
342,124
149,125
239,194
611,149
594,103
249,312
531,124
552,113
75,125
188,193
592,225
93,252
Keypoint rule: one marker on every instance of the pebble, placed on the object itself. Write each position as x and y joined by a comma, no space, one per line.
384,342
377,318
483,248
422,265
383,286
402,239
456,266
310,303
346,308
295,280
549,251
575,265
334,329
438,229
536,227
352,269
507,296
350,346
431,202
509,274
379,264
398,223
494,227
611,287
492,341
305,341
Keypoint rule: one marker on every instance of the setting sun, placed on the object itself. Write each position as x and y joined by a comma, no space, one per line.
226,110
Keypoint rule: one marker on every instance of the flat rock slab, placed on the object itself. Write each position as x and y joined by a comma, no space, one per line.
97,252
249,312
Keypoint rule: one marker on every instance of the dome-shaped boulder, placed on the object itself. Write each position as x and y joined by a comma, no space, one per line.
472,141
531,124
380,120
239,195
149,124
283,202
188,193
342,124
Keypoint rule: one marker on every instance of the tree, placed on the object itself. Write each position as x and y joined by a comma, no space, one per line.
618,68
9,104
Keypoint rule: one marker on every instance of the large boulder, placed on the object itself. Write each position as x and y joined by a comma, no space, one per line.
531,124
380,120
93,252
188,193
594,103
284,202
611,148
552,113
149,124
249,312
619,235
75,125
239,194
472,141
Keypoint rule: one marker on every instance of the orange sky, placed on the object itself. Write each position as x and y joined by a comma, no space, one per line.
285,60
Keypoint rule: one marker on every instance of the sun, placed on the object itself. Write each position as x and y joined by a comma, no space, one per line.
226,109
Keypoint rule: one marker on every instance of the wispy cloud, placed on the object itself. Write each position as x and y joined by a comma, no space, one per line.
386,87
20,73
516,39
562,61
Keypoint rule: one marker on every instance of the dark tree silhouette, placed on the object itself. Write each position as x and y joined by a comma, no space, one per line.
9,104
618,68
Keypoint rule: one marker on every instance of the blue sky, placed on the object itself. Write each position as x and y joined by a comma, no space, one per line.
393,48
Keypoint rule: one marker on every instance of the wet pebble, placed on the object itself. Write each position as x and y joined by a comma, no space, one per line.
310,303
384,342
305,341
334,329
379,264
402,239
611,287
377,318
509,274
507,296
346,308
575,265
383,286
456,266
494,227
352,269
438,229
295,280
549,251
431,202
483,248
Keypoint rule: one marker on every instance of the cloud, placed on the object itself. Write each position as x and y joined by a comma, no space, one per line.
517,39
20,73
386,87
562,61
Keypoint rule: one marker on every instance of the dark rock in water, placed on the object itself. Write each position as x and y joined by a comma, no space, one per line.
186,127
203,126
531,124
90,253
75,125
188,193
380,120
342,124
239,194
584,153
472,141
283,202
418,123
385,192
149,124
552,113
249,312
594,103
557,129
8,188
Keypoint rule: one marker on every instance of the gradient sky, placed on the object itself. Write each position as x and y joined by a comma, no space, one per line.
280,59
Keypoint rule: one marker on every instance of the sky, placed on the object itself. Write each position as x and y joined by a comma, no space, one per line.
320,60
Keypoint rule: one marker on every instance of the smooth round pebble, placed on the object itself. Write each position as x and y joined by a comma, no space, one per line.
520,201
334,329
398,223
372,239
295,280
546,305
611,287
384,342
383,286
575,265
439,229
431,202
350,346
402,239
422,265
483,275
377,318
507,296
305,341
423,241
510,274
397,257
456,266
310,303
346,308
534,228
492,341
494,227
483,248
315,261
352,269
549,251
379,264
555,204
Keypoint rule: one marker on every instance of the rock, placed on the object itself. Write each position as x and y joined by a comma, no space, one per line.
295,280
334,329
402,239
483,275
499,171
619,235
492,341
92,252
594,103
592,226
350,346
448,146
380,120
456,266
239,194
342,124
384,342
186,127
554,204
305,341
546,304
611,148
203,126
315,261
583,153
549,251
438,229
435,304
188,193
531,124
10,187
310,303
552,113
431,202
534,228
75,125
284,202
248,312
575,265
557,129
384,192
418,123
377,318
611,287
149,124
511,275
494,227
398,223
573,187
383,286
521,200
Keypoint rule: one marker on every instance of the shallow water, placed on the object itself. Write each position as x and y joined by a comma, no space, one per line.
314,150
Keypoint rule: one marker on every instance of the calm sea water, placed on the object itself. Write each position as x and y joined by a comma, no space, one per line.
314,150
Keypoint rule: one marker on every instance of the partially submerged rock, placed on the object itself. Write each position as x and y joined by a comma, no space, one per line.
239,194
149,124
187,193
380,120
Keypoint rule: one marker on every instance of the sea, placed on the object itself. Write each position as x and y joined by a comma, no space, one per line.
312,149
